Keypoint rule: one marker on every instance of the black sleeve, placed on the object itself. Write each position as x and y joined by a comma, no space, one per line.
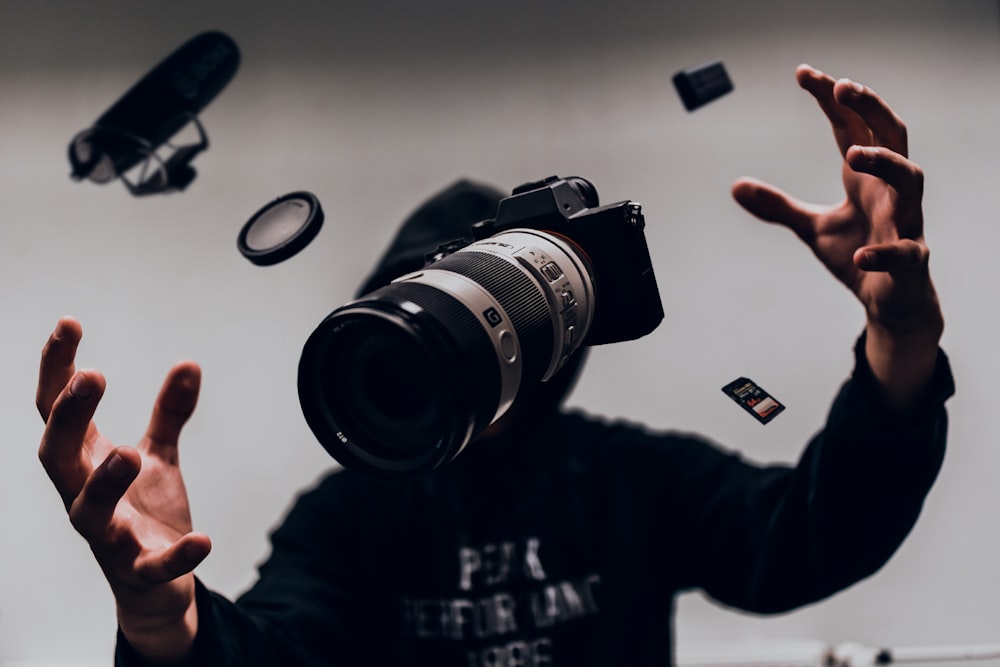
768,539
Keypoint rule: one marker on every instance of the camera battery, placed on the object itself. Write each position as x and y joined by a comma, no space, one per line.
699,85
752,398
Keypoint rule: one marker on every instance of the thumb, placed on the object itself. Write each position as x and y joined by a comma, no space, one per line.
176,560
772,204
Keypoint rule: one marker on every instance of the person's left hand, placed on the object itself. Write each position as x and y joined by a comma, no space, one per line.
873,240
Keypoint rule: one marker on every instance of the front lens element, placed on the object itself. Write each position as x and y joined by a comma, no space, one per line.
385,387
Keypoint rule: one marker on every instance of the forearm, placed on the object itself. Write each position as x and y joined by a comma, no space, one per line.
862,482
903,363
160,642
227,635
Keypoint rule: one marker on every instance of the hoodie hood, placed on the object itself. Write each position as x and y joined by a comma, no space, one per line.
447,216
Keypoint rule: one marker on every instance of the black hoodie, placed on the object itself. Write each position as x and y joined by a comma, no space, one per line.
565,540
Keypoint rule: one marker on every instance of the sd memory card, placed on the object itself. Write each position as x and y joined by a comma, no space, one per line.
752,398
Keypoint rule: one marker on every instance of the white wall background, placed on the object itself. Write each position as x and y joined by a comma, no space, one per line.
373,106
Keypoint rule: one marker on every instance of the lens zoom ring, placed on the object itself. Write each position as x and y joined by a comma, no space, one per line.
518,294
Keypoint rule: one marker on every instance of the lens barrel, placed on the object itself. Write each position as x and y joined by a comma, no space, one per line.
399,381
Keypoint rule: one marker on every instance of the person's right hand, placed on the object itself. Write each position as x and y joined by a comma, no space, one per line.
129,503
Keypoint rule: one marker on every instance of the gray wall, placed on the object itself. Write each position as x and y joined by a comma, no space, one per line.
373,106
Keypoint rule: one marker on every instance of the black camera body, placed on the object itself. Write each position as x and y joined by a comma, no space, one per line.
399,381
627,302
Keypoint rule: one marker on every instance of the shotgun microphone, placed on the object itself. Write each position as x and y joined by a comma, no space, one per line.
153,110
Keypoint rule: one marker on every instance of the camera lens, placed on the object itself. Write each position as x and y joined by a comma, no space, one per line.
400,381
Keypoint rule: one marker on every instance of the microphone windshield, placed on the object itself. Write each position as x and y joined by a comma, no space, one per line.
166,99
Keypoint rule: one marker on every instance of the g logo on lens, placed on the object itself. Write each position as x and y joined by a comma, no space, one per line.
492,316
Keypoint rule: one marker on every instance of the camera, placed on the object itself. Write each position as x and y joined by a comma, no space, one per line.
399,381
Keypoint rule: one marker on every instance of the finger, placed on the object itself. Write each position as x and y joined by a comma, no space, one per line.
905,256
906,180
888,129
57,363
905,176
62,448
93,510
848,127
174,405
178,559
774,205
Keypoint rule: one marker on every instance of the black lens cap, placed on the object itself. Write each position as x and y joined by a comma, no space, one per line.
281,228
